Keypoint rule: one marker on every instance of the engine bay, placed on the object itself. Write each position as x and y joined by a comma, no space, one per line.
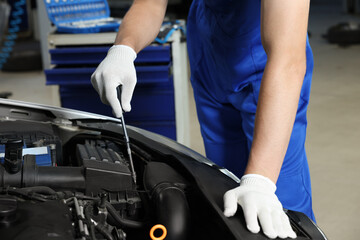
66,174
80,179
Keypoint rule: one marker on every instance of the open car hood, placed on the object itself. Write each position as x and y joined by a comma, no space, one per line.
65,174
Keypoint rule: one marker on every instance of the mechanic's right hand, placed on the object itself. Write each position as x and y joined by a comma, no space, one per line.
116,69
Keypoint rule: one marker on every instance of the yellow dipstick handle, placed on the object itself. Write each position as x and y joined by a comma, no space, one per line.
158,226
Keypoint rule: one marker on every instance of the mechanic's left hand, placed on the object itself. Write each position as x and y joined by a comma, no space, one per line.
256,196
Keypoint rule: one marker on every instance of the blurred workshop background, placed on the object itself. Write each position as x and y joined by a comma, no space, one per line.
333,140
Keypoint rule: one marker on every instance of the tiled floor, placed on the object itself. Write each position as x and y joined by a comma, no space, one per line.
334,134
333,141
30,87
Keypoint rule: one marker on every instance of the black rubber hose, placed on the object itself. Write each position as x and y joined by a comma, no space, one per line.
69,178
167,194
172,210
92,232
88,209
122,222
24,194
58,178
40,189
102,229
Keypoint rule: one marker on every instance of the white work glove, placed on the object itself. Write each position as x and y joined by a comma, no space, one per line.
116,69
256,196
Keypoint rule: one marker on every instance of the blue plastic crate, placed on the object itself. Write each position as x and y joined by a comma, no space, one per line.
148,103
83,98
81,76
81,16
94,55
152,109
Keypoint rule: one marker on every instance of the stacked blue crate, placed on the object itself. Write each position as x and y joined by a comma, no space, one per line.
153,105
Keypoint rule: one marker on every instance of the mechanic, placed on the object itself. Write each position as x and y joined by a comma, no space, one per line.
251,68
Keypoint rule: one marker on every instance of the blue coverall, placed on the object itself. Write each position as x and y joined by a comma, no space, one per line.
227,62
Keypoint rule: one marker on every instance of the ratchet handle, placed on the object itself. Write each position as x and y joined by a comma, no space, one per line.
127,141
119,90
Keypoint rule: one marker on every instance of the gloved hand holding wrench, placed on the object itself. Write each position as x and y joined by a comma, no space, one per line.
115,80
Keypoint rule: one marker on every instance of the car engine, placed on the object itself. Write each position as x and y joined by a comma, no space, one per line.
81,181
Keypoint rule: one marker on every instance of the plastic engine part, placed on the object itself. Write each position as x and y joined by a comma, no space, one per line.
30,220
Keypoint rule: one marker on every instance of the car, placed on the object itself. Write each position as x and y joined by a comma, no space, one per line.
66,174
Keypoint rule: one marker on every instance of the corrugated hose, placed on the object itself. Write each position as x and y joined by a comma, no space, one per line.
13,29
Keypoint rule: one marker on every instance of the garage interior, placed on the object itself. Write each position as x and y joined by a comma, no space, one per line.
333,118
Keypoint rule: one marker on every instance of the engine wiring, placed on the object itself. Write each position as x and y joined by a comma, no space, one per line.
90,214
